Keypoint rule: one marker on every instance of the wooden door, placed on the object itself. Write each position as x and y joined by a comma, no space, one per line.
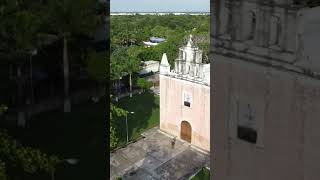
186,131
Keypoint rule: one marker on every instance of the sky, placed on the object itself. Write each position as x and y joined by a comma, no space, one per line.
160,5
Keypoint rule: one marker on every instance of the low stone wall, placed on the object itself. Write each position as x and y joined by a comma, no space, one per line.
56,102
53,103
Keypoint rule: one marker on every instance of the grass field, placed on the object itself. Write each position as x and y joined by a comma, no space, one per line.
81,134
204,174
146,115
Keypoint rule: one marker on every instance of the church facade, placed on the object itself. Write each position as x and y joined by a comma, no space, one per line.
185,97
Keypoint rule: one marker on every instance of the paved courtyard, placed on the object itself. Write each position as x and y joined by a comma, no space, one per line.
154,158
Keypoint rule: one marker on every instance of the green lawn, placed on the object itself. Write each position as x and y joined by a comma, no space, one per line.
146,115
204,174
79,134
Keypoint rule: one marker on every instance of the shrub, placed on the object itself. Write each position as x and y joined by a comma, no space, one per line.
144,84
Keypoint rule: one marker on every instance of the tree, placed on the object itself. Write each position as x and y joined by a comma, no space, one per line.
66,18
114,112
144,84
132,66
203,42
118,58
3,174
3,108
19,24
126,32
96,65
124,62
14,156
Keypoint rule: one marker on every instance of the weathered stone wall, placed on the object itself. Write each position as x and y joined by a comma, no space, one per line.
286,110
283,90
173,111
308,38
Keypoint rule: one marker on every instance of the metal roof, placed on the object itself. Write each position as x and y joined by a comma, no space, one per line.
156,40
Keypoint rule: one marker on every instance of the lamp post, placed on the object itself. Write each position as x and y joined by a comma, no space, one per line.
127,125
32,53
71,161
118,89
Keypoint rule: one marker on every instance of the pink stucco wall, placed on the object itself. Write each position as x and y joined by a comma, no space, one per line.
173,111
287,110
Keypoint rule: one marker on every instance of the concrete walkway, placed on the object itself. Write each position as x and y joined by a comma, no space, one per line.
154,158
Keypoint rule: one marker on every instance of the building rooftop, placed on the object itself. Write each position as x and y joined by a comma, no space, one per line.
157,40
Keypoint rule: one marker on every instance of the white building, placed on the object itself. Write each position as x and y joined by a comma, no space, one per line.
149,67
185,97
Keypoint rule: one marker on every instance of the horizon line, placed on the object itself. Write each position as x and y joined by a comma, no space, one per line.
159,11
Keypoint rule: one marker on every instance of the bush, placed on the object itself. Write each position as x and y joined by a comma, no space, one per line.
3,175
97,64
29,159
144,84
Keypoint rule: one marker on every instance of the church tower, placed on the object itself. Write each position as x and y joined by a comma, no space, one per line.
265,90
189,60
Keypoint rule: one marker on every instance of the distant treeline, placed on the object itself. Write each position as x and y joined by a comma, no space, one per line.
130,32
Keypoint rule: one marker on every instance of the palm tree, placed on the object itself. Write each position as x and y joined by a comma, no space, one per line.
65,19
132,66
20,24
118,59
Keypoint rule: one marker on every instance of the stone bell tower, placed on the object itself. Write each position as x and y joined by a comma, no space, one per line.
189,61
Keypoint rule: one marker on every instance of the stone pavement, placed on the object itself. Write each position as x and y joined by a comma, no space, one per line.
153,158
155,90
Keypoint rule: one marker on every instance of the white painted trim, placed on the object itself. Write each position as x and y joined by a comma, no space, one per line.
185,81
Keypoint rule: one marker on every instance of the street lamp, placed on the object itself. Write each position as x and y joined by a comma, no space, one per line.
71,161
32,53
127,125
118,88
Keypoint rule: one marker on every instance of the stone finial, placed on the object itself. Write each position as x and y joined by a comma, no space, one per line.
164,66
190,42
164,60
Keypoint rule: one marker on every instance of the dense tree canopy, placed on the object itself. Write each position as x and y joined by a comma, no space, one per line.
133,30
26,25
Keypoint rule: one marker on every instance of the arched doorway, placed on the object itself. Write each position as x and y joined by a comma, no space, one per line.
186,130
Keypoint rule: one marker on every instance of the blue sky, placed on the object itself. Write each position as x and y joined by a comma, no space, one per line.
159,5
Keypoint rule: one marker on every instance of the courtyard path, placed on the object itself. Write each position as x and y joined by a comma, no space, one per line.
154,158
